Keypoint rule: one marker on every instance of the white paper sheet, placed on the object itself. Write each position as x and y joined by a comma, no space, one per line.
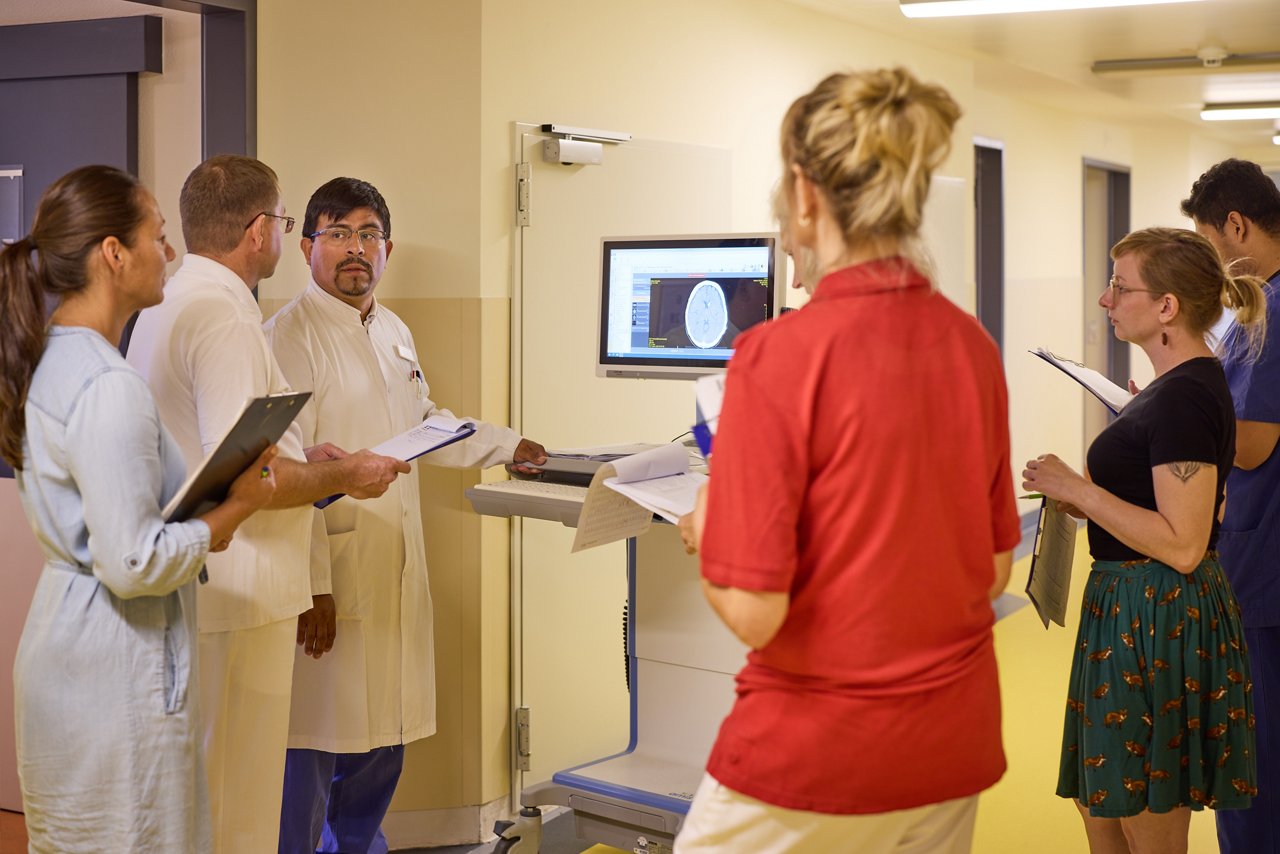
436,431
1113,396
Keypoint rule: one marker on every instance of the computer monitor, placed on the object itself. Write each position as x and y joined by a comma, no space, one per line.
671,307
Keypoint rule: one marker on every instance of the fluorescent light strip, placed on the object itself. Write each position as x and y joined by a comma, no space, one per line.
951,8
1241,112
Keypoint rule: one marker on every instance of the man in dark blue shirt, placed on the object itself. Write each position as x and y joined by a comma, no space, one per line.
1236,206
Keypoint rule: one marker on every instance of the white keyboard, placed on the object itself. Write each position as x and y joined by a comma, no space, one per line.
557,502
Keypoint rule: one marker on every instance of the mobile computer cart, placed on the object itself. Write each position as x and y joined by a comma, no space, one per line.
682,662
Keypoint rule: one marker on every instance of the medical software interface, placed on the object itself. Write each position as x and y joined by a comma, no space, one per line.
684,302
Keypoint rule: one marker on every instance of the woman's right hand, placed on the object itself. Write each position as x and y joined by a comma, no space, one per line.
249,492
257,483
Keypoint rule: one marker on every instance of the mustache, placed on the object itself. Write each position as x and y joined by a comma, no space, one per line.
347,262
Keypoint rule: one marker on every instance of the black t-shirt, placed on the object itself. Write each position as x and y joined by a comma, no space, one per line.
1185,415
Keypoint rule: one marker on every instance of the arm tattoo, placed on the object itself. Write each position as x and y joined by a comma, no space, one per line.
1185,471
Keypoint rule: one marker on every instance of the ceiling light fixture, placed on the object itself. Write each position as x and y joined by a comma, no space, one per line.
1206,59
951,8
1242,111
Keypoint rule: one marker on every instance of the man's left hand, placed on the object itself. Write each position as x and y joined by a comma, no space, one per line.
318,627
528,451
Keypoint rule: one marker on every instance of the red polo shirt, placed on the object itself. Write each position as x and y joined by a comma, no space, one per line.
862,464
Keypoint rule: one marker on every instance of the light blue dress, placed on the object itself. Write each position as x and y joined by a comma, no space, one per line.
107,725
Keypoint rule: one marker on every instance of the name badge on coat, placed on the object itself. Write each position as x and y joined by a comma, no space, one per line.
415,375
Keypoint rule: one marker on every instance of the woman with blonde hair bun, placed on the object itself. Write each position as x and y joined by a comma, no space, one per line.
860,515
1159,717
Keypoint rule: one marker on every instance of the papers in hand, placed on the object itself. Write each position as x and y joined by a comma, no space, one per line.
1050,580
625,494
1098,385
436,432
432,434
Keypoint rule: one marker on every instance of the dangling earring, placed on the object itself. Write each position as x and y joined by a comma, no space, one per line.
1164,338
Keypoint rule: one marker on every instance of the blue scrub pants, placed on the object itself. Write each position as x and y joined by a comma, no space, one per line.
339,799
1257,829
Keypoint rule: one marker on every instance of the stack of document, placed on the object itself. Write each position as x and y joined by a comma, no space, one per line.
1098,385
625,493
433,433
602,453
1049,583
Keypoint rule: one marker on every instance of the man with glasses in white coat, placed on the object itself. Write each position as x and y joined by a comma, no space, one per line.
364,673
203,353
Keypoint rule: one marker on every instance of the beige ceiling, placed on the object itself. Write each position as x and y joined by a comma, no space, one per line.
1047,55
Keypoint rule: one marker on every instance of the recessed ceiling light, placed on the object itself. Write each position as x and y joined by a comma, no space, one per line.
949,8
1241,111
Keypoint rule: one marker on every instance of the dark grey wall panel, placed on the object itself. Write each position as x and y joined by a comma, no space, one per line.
79,48
11,202
65,123
225,77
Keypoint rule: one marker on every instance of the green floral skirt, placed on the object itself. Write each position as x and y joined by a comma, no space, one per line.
1160,705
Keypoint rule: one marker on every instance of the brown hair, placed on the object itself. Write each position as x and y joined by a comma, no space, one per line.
1182,263
870,141
220,199
76,213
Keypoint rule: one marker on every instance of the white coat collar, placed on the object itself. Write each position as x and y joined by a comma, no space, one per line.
336,309
208,270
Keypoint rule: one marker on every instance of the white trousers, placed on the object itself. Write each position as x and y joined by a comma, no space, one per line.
246,679
721,820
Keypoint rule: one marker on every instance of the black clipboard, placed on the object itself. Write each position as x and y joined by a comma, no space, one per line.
261,423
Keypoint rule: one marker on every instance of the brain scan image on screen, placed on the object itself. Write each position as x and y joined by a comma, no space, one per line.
706,315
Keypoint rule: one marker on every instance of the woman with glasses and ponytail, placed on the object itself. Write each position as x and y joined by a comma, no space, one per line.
1159,718
108,745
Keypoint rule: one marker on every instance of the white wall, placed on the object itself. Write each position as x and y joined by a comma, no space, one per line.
169,119
722,72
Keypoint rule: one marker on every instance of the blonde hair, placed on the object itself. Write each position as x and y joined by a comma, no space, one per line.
1183,263
869,141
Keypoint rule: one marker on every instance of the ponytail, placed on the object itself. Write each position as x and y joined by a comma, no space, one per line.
1247,298
76,213
22,335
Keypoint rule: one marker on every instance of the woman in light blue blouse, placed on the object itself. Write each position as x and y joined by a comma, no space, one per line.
108,752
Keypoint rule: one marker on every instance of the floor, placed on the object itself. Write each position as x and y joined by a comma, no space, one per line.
557,838
1018,814
13,833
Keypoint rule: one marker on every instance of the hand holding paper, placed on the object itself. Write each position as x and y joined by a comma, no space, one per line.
625,494
436,432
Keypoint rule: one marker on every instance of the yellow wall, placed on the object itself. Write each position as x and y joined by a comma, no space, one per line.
420,99
393,98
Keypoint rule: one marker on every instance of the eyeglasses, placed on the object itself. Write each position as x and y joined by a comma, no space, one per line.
340,235
1118,291
288,220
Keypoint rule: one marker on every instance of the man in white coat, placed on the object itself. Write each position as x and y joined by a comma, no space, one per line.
203,353
364,672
